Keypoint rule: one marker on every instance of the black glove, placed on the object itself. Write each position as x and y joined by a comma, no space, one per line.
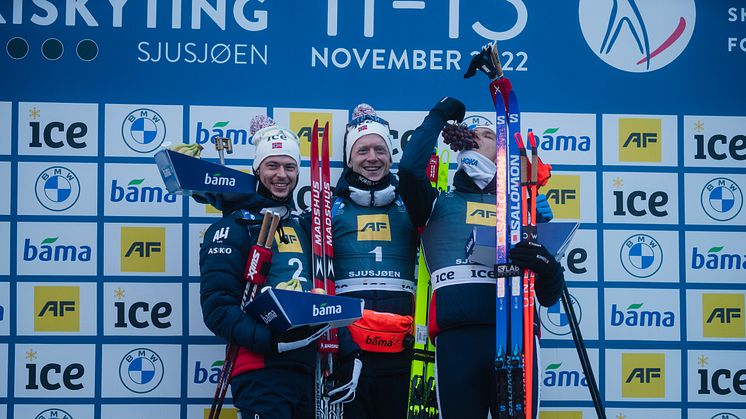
297,337
343,381
549,276
450,109
486,61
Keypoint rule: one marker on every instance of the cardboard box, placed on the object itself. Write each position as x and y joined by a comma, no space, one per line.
284,309
187,175
555,237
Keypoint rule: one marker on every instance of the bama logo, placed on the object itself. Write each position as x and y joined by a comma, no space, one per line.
715,260
142,249
563,192
640,140
204,133
141,370
207,374
637,36
554,319
289,242
721,199
57,188
217,179
302,124
552,141
325,310
635,316
722,315
641,255
56,309
480,213
143,130
643,375
555,376
51,251
134,191
373,227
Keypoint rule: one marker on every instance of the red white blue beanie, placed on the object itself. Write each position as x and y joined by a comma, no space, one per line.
360,126
272,140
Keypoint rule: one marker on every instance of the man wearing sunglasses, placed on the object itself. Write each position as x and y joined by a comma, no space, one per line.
375,247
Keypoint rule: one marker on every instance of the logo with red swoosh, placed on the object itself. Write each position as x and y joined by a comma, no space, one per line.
637,35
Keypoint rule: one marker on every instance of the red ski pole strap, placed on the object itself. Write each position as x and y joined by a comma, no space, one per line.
257,265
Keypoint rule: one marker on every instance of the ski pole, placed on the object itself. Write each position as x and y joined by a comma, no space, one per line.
582,353
256,271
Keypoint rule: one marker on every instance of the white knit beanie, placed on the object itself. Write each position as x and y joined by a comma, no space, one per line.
360,126
272,140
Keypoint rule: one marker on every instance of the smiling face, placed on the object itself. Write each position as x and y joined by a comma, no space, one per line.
370,157
487,142
279,174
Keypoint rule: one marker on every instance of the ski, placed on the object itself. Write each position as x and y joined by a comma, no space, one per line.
323,264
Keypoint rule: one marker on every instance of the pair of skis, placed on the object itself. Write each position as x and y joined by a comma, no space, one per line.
255,274
323,265
516,215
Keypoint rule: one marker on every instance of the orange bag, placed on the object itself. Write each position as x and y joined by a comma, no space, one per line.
381,332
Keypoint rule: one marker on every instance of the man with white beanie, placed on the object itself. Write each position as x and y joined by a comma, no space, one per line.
375,248
267,382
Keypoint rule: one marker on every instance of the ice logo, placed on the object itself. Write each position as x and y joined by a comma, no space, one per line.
54,414
637,35
141,370
721,199
143,130
554,319
641,255
57,188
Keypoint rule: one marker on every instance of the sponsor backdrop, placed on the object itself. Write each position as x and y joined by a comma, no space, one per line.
638,103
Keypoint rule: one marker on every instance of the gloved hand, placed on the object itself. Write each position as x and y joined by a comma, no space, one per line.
450,109
486,61
343,381
216,200
549,276
543,210
297,337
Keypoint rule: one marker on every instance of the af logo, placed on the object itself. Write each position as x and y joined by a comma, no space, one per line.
57,188
141,370
643,375
143,130
53,414
640,140
721,199
142,249
554,319
480,213
288,243
57,309
302,123
641,255
563,192
373,227
723,316
637,35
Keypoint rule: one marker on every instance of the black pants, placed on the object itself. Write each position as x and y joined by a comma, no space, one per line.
465,373
274,393
383,388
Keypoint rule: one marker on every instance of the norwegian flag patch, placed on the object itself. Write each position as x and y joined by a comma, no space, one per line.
277,144
362,128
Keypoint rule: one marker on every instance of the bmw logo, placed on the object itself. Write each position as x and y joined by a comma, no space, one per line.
143,130
554,319
641,255
141,370
53,414
57,188
721,199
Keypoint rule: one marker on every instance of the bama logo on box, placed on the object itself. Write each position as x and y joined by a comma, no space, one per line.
142,249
